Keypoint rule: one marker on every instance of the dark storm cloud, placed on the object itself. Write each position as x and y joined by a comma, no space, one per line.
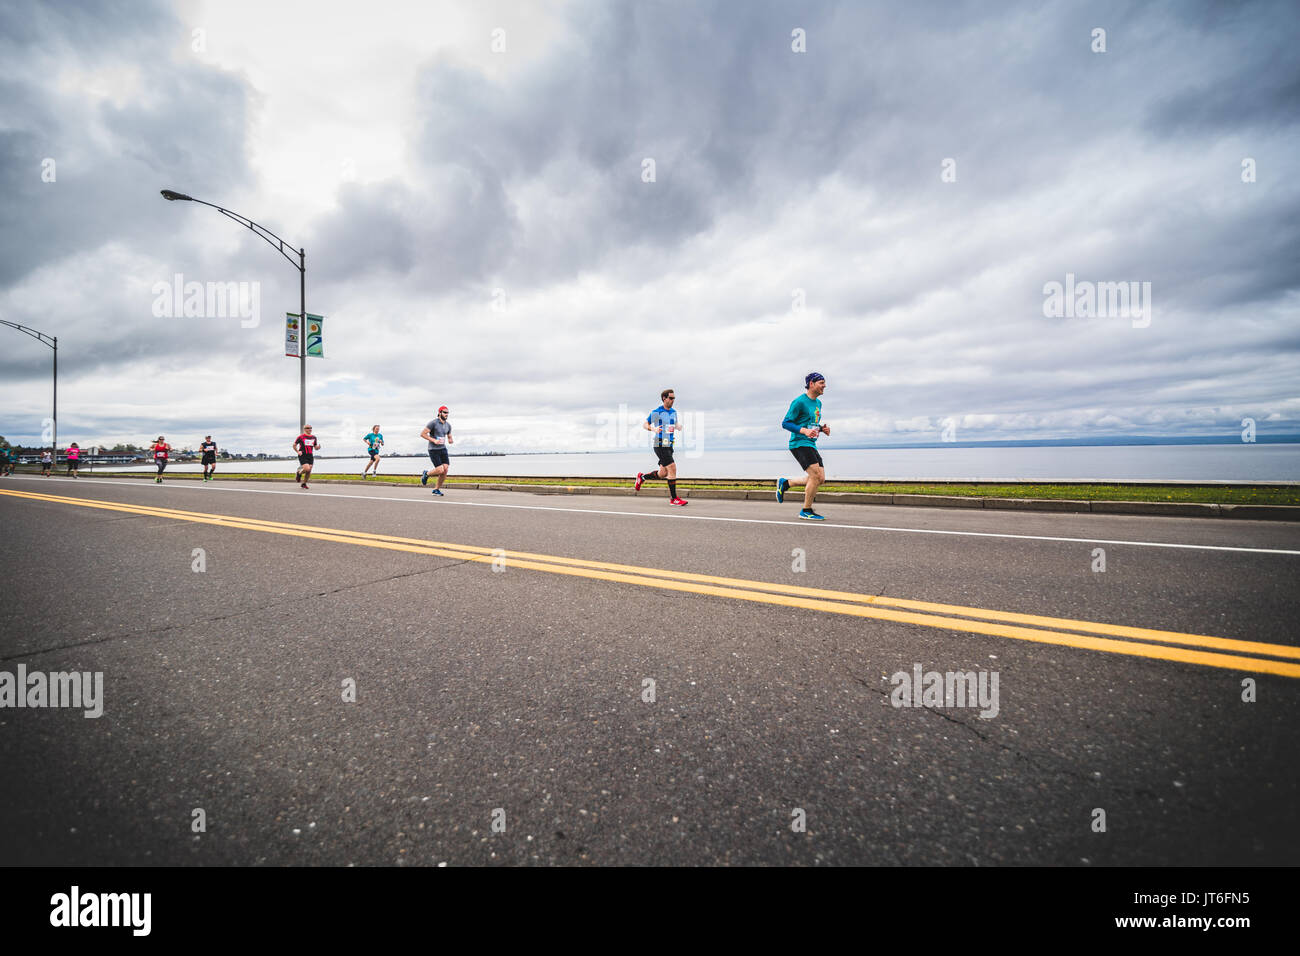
186,125
734,120
1259,87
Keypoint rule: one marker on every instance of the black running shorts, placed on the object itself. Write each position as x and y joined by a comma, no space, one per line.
664,454
806,456
306,459
438,456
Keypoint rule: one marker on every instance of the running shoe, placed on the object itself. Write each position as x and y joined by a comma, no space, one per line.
438,492
781,485
640,480
424,477
811,515
304,484
677,501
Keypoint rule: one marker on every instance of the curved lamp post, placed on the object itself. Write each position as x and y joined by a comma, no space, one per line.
296,257
53,342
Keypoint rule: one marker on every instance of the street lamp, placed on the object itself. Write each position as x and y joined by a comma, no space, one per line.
53,342
300,264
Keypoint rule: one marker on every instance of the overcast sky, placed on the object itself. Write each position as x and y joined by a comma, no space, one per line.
880,192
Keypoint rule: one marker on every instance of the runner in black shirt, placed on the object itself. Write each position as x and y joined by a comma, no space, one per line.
209,449
305,445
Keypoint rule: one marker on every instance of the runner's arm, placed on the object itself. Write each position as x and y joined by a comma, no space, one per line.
791,426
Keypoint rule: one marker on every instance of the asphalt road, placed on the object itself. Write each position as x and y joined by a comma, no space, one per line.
501,711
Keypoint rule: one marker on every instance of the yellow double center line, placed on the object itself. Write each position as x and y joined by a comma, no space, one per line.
1113,638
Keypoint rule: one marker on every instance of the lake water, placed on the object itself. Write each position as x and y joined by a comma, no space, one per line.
1243,462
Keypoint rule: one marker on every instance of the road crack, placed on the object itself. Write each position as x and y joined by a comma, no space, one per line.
1034,762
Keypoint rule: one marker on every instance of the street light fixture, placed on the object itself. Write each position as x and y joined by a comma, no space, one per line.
53,342
298,259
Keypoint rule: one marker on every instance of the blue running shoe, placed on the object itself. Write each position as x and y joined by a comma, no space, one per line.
781,485
811,515
424,477
438,492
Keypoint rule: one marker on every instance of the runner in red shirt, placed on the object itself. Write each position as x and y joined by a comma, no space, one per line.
160,451
305,445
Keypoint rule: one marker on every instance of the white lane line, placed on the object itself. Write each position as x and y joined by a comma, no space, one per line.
684,517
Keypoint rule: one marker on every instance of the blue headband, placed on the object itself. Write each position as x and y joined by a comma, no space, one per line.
812,377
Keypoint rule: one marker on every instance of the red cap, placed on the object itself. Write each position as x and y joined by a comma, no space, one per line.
443,408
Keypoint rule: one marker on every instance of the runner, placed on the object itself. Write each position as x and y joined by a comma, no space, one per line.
209,449
74,458
160,450
305,445
438,434
47,462
374,441
804,422
662,425
6,461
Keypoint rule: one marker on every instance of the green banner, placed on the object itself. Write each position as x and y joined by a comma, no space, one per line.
313,336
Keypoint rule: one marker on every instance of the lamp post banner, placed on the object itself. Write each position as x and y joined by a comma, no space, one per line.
315,336
292,329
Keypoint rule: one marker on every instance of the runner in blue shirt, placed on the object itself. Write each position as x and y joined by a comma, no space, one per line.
663,428
804,423
374,441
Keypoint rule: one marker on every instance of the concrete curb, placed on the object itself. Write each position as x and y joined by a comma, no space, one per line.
1261,512
939,501
1177,509
1039,504
1180,508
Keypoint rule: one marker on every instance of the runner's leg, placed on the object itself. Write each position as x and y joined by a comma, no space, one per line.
815,476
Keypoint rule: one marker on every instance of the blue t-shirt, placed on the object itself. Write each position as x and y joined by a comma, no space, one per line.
663,418
373,441
804,412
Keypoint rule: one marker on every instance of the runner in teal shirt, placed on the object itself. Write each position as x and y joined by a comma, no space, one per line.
804,423
374,441
804,412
